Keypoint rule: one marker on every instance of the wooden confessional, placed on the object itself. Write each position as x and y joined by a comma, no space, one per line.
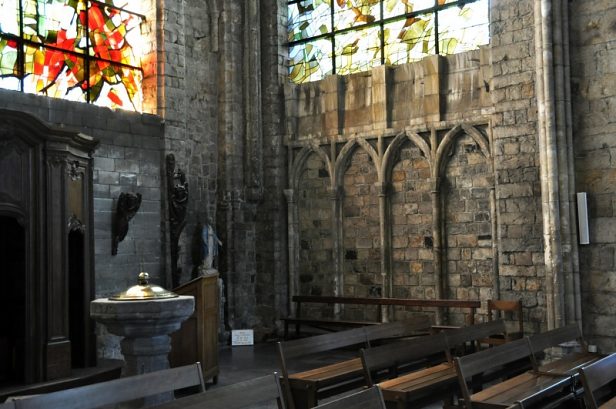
46,250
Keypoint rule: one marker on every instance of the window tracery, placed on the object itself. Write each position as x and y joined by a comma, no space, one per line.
348,36
81,50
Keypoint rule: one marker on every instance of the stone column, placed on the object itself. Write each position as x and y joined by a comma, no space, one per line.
293,222
336,195
437,245
385,233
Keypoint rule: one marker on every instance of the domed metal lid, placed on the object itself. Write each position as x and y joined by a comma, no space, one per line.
143,291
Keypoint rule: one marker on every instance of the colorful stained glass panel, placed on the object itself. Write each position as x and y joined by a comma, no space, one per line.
9,17
115,86
310,61
52,22
463,29
409,39
393,8
114,34
53,73
354,13
9,67
358,50
309,19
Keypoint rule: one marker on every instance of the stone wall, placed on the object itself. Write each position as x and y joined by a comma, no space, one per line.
404,154
514,126
593,72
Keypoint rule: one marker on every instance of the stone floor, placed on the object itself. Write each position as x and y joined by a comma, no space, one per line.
241,363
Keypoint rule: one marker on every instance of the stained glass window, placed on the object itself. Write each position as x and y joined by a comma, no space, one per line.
80,50
348,36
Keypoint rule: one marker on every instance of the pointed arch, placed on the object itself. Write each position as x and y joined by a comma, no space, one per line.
342,161
479,138
394,147
300,162
448,140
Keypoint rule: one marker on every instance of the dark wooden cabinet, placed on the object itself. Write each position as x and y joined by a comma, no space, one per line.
197,339
46,249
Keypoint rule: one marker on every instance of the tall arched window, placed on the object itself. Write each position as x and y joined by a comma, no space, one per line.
348,36
72,49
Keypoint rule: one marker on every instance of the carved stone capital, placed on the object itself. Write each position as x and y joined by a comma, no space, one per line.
335,193
382,188
290,195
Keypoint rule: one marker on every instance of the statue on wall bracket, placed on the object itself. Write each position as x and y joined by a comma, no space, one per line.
127,207
177,193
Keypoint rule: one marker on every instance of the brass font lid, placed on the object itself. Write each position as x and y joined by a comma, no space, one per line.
143,291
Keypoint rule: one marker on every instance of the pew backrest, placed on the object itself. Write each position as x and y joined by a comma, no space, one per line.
247,394
595,376
392,356
474,364
398,329
552,338
370,398
320,343
459,336
117,390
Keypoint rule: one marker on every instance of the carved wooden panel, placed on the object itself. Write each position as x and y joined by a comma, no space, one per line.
46,186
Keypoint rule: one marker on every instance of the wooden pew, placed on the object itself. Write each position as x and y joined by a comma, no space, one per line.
245,394
568,364
304,389
418,384
527,389
298,319
421,386
595,376
118,390
370,398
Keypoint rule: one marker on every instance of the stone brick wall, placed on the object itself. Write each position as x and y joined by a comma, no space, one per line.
593,72
361,268
468,228
411,218
271,254
490,194
516,158
316,221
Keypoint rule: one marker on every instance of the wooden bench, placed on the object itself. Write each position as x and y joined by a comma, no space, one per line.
328,323
370,398
571,362
304,389
118,390
421,386
594,377
262,390
524,390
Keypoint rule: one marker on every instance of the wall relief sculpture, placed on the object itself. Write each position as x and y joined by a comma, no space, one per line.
127,207
177,193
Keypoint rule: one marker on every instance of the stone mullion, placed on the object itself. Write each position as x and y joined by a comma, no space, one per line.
337,199
386,256
437,225
494,227
293,248
437,244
